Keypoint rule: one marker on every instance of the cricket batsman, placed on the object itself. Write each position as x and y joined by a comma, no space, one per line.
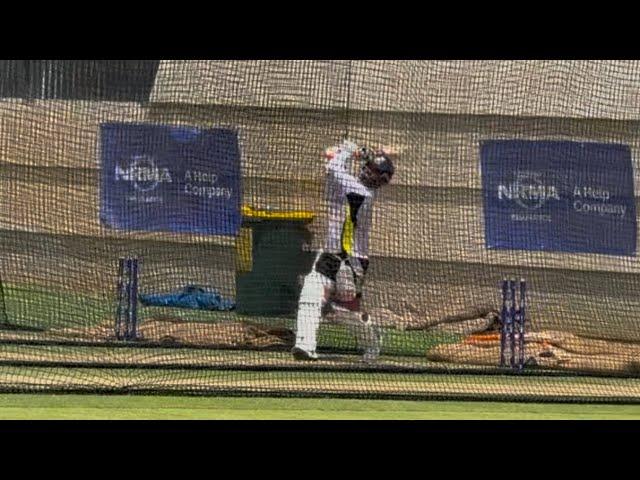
336,279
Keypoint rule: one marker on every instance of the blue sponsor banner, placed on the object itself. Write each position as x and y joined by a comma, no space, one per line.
558,196
172,179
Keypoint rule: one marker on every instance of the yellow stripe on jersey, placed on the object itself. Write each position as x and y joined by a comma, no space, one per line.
347,233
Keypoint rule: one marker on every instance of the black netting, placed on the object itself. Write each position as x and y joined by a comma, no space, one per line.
159,220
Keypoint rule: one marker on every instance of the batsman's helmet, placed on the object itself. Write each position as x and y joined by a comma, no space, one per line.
377,168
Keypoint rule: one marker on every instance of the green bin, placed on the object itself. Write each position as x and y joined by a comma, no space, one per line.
272,257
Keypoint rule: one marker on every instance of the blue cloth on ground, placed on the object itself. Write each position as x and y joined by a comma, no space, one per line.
192,296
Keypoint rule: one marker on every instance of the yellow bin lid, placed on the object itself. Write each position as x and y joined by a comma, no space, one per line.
252,213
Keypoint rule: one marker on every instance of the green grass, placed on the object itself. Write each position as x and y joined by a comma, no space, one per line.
40,308
158,357
37,307
93,407
30,379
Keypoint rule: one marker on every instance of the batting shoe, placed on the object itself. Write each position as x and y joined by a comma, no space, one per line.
304,355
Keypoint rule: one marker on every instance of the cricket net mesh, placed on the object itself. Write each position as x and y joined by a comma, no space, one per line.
210,176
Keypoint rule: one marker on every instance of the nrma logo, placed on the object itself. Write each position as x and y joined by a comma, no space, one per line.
143,173
528,190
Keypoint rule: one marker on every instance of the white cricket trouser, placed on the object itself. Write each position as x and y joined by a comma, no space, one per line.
317,291
312,301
